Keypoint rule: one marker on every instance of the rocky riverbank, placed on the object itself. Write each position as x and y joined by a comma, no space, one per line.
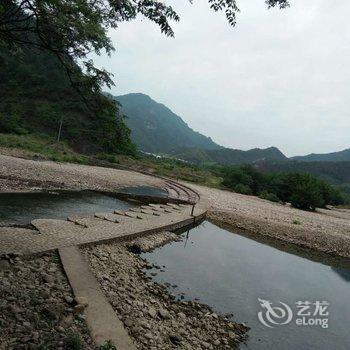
325,230
37,307
152,316
334,244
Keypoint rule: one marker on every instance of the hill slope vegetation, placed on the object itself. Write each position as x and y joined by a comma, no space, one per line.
341,156
156,129
36,96
228,156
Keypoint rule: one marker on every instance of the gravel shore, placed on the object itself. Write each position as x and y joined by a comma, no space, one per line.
18,174
327,231
37,309
152,316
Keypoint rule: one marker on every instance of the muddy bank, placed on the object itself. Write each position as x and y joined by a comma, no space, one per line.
335,244
152,316
37,307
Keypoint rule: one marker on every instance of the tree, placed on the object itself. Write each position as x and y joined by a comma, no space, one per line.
73,29
302,190
70,30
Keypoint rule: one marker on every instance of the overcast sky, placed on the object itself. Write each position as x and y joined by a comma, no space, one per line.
279,78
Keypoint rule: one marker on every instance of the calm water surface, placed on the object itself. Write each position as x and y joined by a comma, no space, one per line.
230,272
146,191
21,208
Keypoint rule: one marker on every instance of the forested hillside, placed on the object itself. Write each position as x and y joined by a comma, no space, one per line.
156,129
228,156
36,95
341,156
337,173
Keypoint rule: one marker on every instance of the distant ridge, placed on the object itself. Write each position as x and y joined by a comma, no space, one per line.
156,129
341,156
227,156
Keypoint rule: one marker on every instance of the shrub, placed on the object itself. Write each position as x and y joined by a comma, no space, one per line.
302,190
73,341
107,346
11,124
111,158
243,189
235,176
272,197
331,195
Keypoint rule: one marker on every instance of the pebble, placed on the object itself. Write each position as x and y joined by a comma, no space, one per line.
163,313
4,265
152,312
81,301
205,345
68,299
47,278
181,315
79,309
33,305
148,336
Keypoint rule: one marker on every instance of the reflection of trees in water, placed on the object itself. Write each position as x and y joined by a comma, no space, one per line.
343,273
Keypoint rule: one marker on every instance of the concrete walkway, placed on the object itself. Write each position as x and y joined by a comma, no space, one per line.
100,227
102,321
68,235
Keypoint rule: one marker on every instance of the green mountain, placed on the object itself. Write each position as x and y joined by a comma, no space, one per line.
336,173
227,156
341,156
156,129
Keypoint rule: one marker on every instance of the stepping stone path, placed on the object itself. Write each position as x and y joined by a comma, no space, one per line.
83,229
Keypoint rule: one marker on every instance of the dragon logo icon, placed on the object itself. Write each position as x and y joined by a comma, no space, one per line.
274,315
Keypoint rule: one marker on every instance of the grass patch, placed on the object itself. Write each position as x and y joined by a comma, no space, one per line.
175,169
73,341
108,345
42,147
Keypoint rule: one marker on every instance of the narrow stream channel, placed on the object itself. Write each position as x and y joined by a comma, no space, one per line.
231,272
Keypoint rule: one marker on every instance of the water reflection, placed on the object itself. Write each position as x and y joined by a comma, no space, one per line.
21,208
231,272
343,273
145,191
